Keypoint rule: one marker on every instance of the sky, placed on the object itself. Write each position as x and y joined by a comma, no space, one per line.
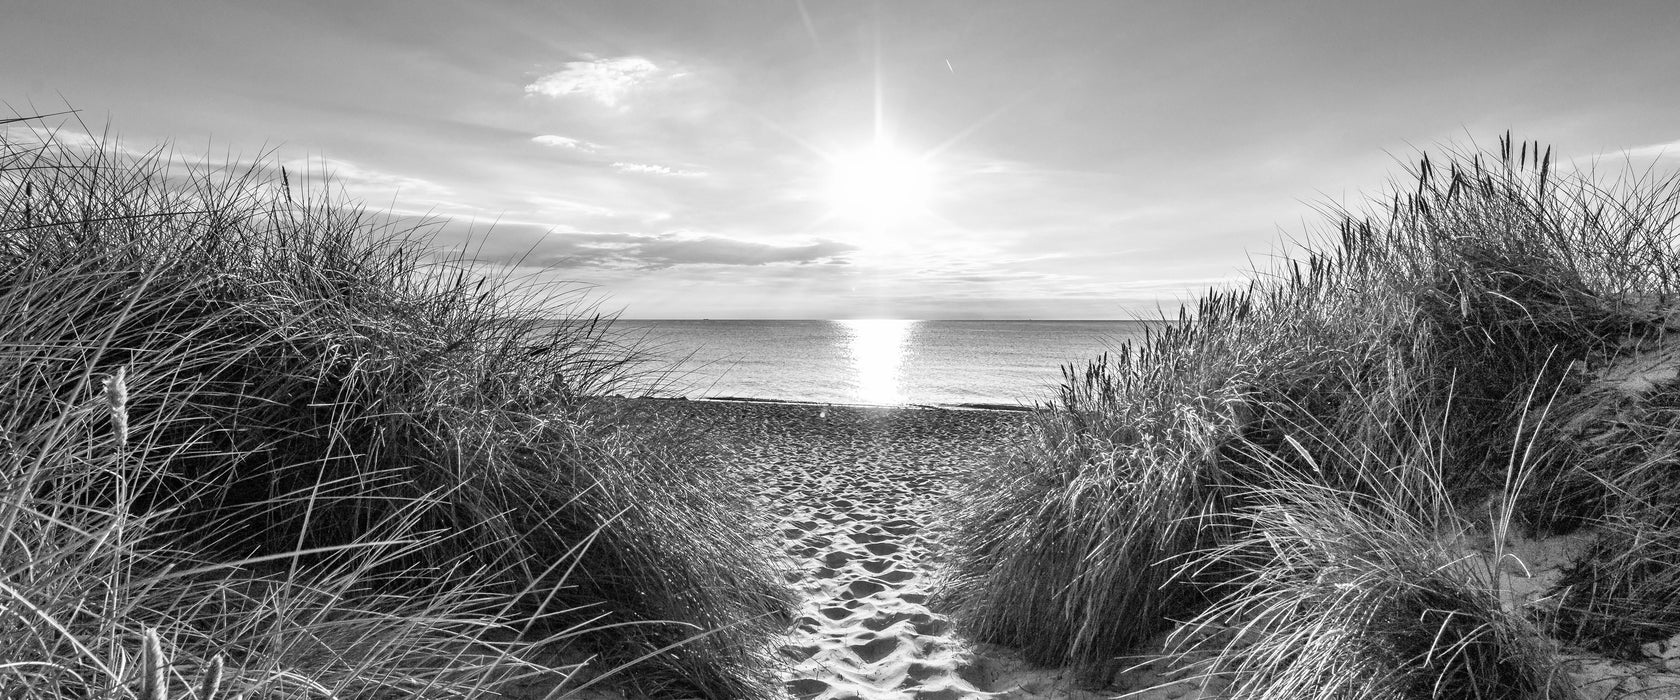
859,159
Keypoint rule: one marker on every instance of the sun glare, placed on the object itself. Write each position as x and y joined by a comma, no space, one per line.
879,184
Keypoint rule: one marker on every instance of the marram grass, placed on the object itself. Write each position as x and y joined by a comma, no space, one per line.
1240,458
1339,593
244,419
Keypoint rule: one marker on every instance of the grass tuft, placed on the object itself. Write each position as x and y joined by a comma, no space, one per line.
1625,591
1334,593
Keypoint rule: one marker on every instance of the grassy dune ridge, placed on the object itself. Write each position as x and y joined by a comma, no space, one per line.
282,431
1308,455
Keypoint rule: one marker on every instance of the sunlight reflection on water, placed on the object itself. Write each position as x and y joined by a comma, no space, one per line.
928,362
877,350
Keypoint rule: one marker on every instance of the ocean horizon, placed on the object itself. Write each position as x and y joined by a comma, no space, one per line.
873,361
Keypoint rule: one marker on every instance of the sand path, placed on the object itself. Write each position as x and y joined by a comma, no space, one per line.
853,491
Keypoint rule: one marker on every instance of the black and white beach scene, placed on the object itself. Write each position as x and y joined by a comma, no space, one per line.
839,350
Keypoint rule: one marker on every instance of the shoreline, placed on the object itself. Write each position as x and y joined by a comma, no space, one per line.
966,406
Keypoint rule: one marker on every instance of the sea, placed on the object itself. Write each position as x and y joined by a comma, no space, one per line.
874,362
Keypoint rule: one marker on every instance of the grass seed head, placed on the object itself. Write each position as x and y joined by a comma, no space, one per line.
116,396
154,679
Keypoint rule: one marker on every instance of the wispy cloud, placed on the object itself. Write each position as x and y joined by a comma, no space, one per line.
605,80
1196,284
646,169
566,142
1659,150
655,251
366,182
33,134
551,206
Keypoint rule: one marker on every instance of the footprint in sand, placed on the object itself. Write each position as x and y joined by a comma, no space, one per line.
881,549
895,576
872,651
876,566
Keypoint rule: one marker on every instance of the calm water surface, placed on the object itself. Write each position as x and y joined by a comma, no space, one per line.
876,361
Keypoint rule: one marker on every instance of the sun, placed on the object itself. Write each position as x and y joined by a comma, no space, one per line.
879,184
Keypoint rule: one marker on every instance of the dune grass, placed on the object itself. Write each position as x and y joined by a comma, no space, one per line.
1238,459
1328,591
245,415
1625,591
